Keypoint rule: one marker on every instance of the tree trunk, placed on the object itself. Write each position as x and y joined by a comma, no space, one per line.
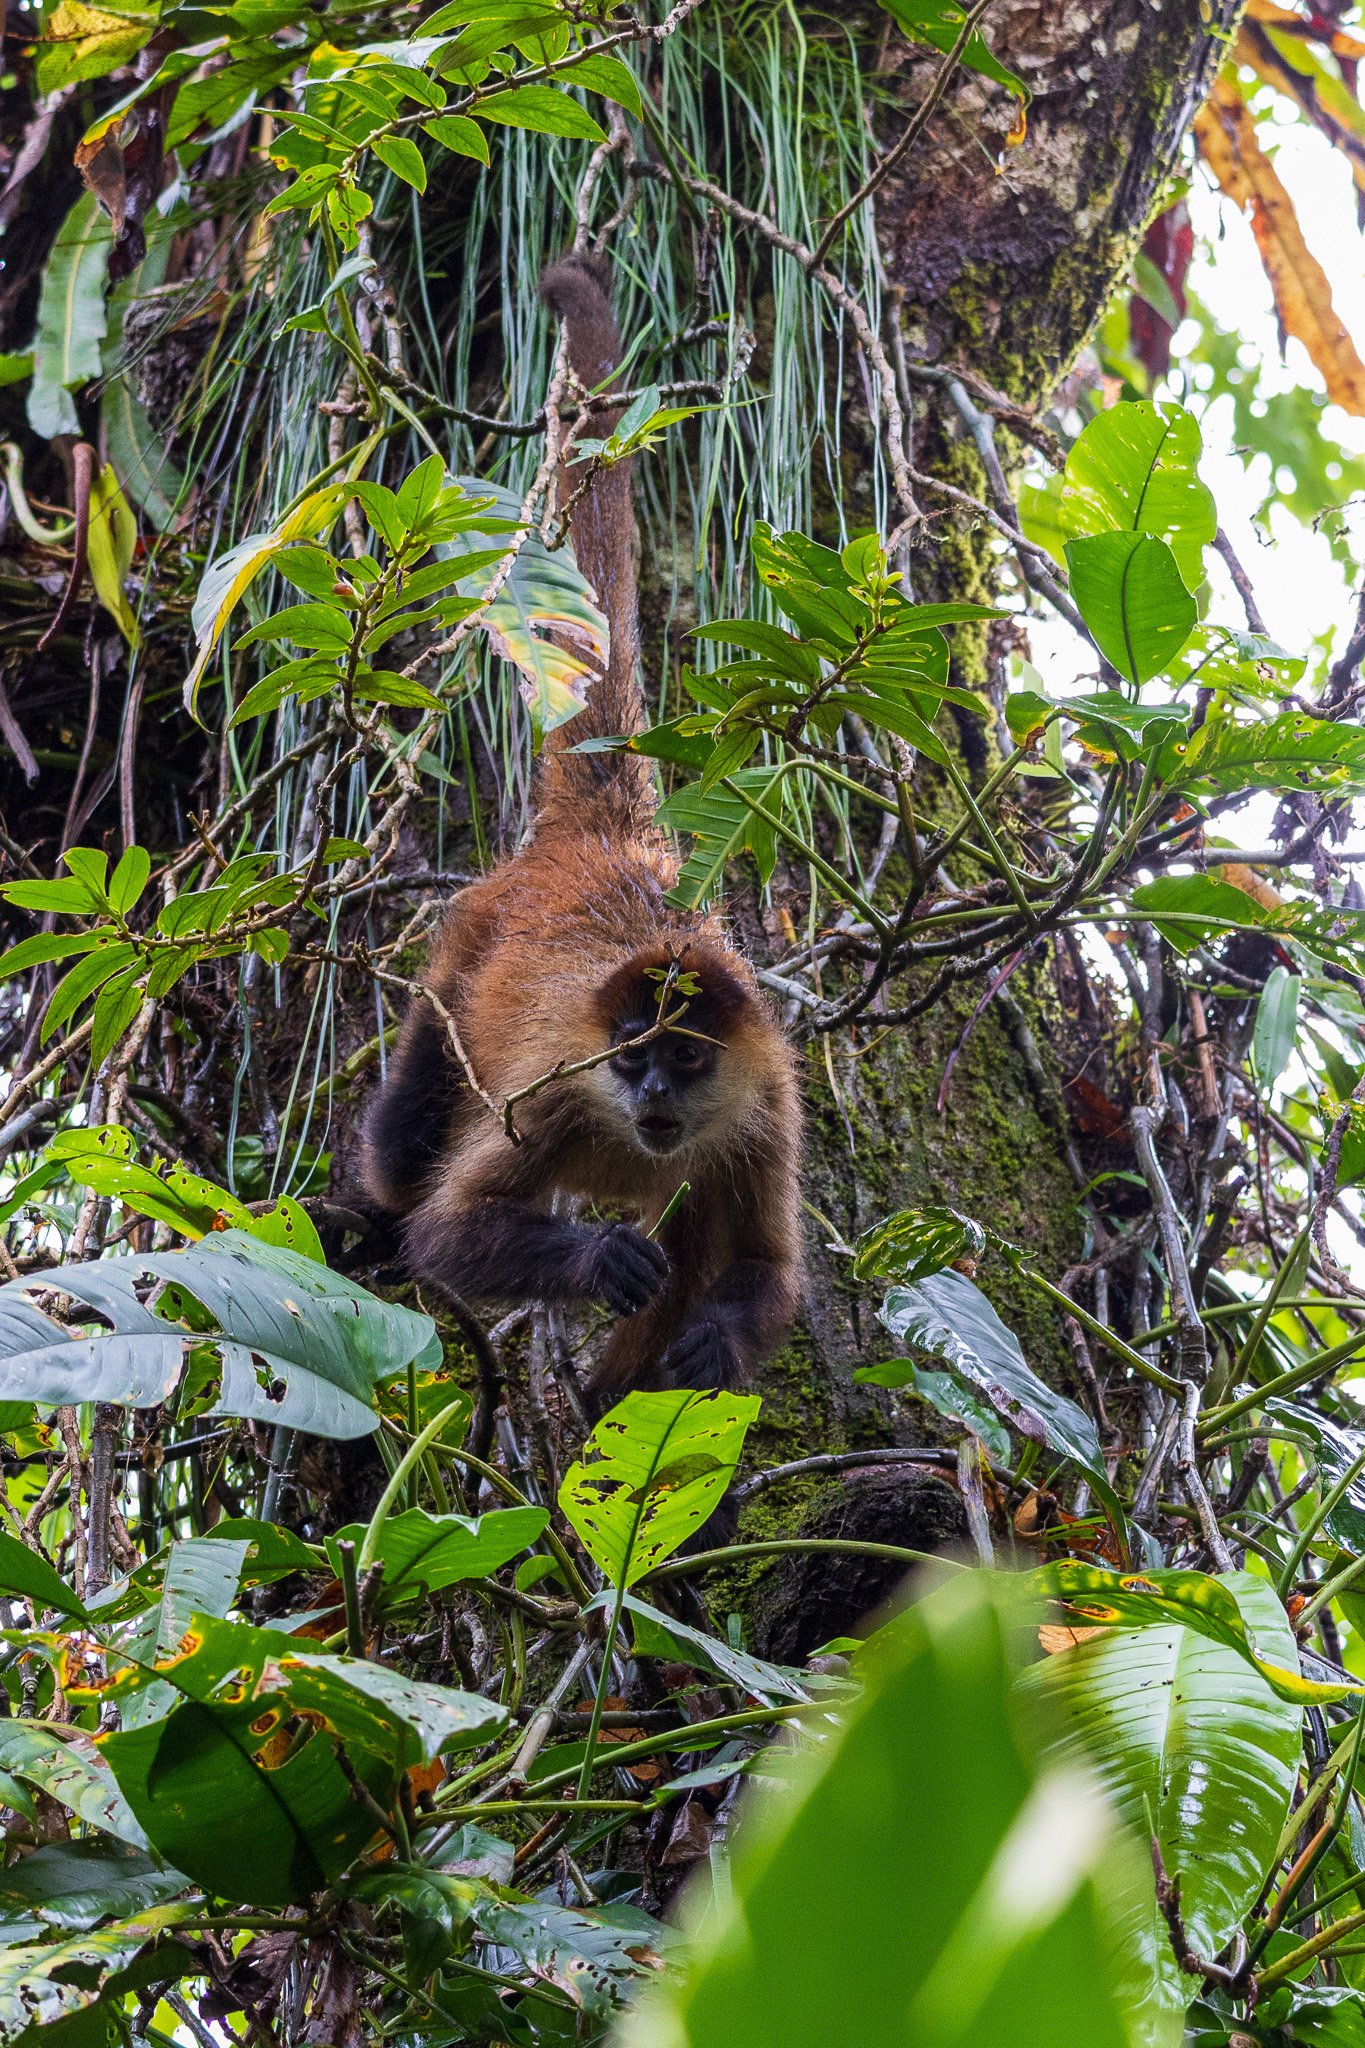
1003,256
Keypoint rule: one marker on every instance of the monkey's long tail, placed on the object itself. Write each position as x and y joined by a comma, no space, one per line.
614,790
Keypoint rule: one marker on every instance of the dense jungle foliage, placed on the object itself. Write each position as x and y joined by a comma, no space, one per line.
357,1681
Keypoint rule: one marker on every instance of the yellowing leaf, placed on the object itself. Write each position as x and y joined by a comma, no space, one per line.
86,42
1226,134
227,580
112,539
1338,42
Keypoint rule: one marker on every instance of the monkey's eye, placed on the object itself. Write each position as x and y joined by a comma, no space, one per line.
687,1053
632,1059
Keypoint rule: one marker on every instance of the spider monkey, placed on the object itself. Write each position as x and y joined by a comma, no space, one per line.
562,951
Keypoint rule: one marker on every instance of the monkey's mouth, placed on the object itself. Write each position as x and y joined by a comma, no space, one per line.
659,1133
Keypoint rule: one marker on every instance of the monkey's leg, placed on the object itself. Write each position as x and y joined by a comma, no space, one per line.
502,1248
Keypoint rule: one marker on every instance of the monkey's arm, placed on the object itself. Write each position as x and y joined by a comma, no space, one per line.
486,1231
498,1247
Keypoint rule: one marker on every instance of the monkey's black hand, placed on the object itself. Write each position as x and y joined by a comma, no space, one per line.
702,1357
627,1269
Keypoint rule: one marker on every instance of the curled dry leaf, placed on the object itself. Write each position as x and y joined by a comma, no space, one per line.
1226,134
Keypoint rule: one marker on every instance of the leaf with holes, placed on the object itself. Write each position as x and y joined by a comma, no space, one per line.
650,1475
266,1333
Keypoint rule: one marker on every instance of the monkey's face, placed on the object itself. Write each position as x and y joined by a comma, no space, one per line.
664,1087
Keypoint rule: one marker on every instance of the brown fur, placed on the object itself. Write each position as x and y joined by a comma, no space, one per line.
537,963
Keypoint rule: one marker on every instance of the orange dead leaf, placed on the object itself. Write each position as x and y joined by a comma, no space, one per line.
1239,876
1055,1636
1226,135
1268,15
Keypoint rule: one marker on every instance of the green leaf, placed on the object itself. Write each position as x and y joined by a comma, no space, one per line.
271,1552
1093,1597
947,1316
995,1929
544,620
76,1884
939,23
914,1243
723,827
71,318
116,1005
542,109
609,76
663,1635
76,987
651,1473
945,1394
289,1341
226,581
1134,469
1192,1745
201,1577
80,41
40,1986
403,158
1189,910
456,132
1292,752
1135,606
28,1573
51,946
65,1763
271,1830
1277,1023
112,540
425,1552
129,879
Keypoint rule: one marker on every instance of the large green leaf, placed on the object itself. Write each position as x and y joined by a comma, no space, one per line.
76,1884
287,1341
265,1829
41,1985
419,1551
1189,910
1192,1744
939,23
201,1578
65,1763
1093,1596
1291,751
1134,469
71,318
914,1885
545,619
29,1574
722,827
947,1316
1136,609
651,1473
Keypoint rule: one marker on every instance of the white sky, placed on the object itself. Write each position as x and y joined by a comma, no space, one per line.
1301,589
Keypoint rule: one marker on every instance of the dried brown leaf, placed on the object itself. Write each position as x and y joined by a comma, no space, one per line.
1226,134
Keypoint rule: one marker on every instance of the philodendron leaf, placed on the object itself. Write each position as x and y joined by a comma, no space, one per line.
222,1803
421,1552
263,1331
545,619
1191,1743
651,1473
1135,606
1089,1596
947,1316
1134,469
992,1928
